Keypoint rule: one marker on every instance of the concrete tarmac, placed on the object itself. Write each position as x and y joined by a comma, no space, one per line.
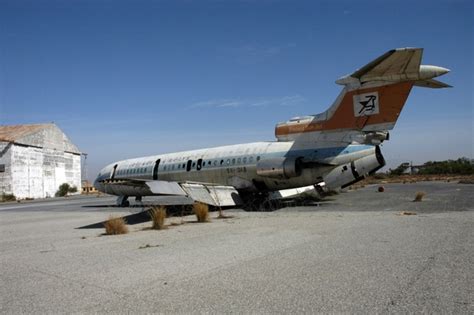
352,253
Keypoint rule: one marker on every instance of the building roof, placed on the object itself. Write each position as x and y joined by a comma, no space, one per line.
16,132
38,135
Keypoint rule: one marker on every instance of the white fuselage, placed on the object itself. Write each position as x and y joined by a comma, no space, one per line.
233,165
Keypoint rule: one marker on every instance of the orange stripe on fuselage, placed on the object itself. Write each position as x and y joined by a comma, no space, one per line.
391,100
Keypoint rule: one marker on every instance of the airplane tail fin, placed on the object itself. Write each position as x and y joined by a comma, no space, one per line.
371,101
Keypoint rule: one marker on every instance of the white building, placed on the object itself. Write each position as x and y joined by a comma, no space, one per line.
36,159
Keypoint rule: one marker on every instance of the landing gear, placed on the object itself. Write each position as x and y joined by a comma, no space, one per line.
122,201
258,202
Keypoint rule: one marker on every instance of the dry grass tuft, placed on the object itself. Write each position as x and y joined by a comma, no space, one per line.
201,210
407,213
158,216
115,225
419,196
148,246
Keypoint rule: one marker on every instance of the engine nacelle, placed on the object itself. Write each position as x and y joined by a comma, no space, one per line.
350,173
280,167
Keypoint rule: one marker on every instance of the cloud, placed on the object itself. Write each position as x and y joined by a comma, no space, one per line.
290,100
217,103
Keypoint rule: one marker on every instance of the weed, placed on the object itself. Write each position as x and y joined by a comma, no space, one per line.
115,225
158,215
148,246
419,196
201,210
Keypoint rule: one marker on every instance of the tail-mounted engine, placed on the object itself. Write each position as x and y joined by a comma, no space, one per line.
350,173
280,167
376,137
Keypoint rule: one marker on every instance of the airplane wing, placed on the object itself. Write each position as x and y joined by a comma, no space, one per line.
212,194
215,195
396,62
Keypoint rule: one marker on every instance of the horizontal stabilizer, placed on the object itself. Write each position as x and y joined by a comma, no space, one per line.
393,64
434,84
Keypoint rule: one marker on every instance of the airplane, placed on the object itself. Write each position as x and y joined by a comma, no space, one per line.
334,149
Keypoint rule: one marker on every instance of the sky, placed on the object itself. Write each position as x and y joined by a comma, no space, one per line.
131,78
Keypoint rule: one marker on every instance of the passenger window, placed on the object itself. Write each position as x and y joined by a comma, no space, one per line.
238,161
245,160
233,161
228,162
258,158
251,159
222,162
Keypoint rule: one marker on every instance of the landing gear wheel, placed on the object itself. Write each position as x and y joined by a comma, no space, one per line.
122,201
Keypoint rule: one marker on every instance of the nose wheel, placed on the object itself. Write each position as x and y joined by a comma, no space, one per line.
122,201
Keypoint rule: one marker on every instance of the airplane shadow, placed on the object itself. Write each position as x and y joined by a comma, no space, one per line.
182,210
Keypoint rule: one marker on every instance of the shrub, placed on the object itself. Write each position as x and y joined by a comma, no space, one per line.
115,225
201,210
8,197
419,196
64,189
158,215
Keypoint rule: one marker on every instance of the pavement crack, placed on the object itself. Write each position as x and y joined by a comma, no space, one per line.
427,265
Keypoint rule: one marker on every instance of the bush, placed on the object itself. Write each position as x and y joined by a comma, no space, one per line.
158,215
201,210
115,225
8,197
462,166
64,189
419,196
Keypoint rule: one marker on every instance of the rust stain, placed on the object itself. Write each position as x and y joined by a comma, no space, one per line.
16,132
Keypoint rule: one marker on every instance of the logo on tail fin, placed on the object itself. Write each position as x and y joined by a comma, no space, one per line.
366,104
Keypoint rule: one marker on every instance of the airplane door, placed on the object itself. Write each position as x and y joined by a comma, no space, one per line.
155,169
188,166
112,175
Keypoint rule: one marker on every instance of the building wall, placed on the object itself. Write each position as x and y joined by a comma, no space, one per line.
38,172
6,176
